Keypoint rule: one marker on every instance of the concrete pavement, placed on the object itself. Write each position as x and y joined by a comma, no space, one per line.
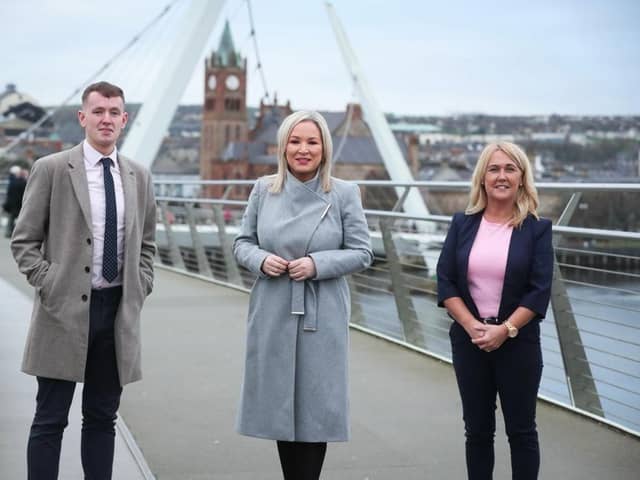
18,393
406,413
406,416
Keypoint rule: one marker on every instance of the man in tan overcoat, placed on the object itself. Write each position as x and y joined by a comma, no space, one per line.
85,239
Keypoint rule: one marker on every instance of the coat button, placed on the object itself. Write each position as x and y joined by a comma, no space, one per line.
84,298
88,241
87,269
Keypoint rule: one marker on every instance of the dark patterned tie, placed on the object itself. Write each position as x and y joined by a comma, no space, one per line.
110,252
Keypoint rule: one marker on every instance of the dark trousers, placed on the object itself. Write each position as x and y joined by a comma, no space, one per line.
100,402
11,223
301,460
513,372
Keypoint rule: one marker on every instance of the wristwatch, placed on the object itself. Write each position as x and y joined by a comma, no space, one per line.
512,331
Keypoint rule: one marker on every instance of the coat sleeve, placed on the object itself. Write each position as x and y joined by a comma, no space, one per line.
246,246
447,271
538,290
355,254
148,242
31,228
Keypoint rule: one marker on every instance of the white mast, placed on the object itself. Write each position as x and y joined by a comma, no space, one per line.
385,141
151,124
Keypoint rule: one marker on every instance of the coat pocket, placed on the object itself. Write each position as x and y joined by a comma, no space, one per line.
144,284
48,282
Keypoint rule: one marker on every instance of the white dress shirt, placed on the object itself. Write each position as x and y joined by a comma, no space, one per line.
95,179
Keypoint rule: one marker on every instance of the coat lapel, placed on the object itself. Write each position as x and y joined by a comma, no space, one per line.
470,236
129,191
515,248
311,206
78,175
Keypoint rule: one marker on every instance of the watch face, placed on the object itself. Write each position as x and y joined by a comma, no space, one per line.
211,82
232,82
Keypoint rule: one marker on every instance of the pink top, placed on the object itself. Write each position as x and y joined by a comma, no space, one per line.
487,264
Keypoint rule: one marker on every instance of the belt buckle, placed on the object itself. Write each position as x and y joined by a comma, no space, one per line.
491,321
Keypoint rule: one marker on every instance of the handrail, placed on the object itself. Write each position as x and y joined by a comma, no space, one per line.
589,339
578,231
441,185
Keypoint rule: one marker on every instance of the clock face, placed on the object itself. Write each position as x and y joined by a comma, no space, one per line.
232,82
211,82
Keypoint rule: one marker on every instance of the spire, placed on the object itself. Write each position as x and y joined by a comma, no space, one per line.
226,54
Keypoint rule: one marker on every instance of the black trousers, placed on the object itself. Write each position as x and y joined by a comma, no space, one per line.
301,460
513,372
11,223
100,402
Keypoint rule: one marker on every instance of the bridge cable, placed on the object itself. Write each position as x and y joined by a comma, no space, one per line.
24,135
345,133
255,46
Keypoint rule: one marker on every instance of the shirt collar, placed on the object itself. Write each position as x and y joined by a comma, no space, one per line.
92,157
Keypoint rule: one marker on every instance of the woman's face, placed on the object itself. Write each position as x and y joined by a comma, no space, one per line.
502,178
304,150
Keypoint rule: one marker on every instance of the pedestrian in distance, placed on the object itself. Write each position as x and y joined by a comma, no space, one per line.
85,239
302,233
13,200
494,279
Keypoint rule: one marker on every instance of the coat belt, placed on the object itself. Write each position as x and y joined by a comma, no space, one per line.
298,293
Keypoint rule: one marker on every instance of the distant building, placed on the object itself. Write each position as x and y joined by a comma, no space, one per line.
18,111
18,114
224,116
231,151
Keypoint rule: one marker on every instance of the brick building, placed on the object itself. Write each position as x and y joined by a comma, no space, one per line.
230,150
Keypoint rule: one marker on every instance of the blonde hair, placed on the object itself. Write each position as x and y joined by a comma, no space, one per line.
527,197
284,132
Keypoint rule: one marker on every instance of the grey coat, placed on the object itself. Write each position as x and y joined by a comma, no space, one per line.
295,381
52,244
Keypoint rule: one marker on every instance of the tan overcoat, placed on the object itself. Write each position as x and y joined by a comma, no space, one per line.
52,244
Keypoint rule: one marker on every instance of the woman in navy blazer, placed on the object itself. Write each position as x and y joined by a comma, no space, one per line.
494,279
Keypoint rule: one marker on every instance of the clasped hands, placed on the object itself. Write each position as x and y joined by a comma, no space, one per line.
488,337
299,269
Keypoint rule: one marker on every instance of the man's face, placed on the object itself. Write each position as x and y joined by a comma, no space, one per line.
102,119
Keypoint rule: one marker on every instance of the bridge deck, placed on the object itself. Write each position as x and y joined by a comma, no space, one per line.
406,420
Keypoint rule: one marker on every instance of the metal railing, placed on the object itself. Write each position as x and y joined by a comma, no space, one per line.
590,337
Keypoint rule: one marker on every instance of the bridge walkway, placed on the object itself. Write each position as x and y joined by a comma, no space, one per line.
406,416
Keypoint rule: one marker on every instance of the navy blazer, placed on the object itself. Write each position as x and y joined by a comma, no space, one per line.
527,279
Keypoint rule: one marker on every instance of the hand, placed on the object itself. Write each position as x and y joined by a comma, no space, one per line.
301,269
490,337
274,266
475,330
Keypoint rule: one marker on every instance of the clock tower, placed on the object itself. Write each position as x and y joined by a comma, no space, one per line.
224,113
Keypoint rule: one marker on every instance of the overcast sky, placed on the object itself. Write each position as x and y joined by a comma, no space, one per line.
420,57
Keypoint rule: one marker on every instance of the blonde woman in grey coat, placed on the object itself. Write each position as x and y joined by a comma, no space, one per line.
302,233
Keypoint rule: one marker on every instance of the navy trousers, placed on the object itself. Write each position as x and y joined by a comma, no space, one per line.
513,372
100,402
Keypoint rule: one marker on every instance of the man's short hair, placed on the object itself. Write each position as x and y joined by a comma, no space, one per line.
105,89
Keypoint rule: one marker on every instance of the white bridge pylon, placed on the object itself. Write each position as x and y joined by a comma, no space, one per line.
386,142
153,119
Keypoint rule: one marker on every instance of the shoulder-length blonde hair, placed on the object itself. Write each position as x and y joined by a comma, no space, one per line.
527,197
283,138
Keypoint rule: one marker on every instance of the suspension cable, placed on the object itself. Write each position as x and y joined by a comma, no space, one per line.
107,64
345,133
255,46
